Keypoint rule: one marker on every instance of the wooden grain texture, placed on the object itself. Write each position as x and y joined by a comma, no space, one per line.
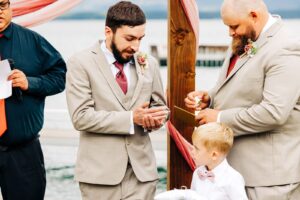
181,81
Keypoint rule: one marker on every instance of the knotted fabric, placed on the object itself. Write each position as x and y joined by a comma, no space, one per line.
121,77
205,174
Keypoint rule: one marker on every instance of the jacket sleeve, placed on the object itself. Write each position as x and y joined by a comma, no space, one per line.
52,79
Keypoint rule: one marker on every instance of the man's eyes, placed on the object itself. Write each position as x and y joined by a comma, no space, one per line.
4,3
130,39
234,27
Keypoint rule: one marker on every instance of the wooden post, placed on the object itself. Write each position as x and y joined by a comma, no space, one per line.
182,45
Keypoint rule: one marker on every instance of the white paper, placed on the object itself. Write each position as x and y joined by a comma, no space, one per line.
5,85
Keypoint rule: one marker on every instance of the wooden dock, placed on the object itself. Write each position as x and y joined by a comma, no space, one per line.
208,55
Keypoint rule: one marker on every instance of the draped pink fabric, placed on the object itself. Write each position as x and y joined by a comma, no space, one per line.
34,12
183,146
191,11
22,7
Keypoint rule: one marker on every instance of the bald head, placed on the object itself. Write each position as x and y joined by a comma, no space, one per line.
245,20
244,17
242,8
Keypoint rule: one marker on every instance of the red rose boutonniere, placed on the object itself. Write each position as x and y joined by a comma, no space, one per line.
142,60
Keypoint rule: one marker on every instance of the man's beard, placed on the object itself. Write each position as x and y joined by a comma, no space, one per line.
118,54
238,43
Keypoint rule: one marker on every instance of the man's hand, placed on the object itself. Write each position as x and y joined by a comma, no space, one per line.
207,116
202,95
150,118
139,113
155,117
18,79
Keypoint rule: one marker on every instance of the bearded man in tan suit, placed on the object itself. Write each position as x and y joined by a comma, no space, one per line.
258,96
115,97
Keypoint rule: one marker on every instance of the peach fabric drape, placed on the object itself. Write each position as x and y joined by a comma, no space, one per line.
33,12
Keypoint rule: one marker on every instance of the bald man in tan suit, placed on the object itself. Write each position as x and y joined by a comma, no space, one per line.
115,97
258,96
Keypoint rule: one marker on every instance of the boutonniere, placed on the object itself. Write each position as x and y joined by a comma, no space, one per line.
142,60
250,49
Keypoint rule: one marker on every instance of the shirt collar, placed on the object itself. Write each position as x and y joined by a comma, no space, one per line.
271,20
7,33
219,170
109,55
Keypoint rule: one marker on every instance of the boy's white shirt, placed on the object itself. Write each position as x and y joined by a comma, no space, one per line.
228,184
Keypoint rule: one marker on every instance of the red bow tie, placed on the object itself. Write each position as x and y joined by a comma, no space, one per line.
203,174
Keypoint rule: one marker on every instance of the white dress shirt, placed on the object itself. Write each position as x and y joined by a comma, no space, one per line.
111,60
271,20
228,184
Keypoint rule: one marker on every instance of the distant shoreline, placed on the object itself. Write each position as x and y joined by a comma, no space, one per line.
285,14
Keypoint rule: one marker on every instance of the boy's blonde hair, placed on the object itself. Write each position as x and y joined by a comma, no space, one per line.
214,136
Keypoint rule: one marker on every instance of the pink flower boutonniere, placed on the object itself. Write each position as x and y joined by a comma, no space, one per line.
142,60
250,49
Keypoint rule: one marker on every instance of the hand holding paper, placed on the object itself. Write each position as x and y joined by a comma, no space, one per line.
5,84
18,79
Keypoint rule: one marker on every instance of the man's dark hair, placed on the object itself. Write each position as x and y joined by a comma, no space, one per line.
124,13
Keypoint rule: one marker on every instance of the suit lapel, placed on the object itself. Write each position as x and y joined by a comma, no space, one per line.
224,69
263,40
239,64
140,81
104,67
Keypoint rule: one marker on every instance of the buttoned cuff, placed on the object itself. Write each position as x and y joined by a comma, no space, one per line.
219,117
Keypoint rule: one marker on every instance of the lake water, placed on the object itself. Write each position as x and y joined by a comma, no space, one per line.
72,36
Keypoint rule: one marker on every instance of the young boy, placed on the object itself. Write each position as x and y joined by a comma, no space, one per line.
215,178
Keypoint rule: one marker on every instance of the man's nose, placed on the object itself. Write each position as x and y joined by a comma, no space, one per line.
231,33
135,45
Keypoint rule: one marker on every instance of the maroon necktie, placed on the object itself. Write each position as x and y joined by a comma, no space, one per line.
121,77
232,63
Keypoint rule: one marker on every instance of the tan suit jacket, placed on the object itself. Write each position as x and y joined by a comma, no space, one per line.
101,112
260,100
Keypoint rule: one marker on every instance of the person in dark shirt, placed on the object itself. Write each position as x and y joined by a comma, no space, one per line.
39,71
